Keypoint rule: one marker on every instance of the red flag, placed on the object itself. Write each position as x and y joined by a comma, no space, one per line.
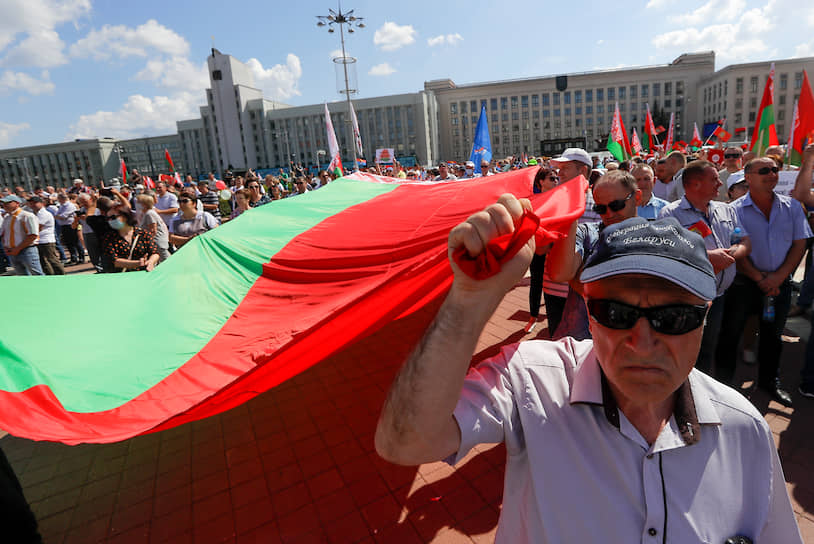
660,129
724,136
124,172
635,143
148,182
169,159
696,137
701,228
668,142
804,126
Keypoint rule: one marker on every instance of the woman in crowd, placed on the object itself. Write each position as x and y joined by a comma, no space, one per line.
153,225
545,180
129,247
242,198
190,222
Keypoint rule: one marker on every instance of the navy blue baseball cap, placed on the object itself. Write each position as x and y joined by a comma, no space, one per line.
661,248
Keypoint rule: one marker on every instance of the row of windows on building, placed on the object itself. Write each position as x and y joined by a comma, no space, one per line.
51,168
714,92
668,104
568,97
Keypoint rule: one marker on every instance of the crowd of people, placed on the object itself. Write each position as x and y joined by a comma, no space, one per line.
127,226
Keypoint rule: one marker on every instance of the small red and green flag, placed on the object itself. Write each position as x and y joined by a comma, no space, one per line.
650,130
668,143
635,143
618,143
169,159
696,137
764,134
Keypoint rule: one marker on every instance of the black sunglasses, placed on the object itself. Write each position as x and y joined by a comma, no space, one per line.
766,169
614,205
182,200
673,319
732,156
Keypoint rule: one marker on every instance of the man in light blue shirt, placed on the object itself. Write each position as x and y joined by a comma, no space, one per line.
651,204
715,222
778,230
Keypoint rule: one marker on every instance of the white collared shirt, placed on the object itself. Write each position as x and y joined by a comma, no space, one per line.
577,470
47,232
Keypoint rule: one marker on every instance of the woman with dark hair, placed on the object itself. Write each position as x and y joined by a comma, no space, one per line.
545,180
128,246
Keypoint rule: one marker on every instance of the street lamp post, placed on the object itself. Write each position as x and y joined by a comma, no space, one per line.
341,19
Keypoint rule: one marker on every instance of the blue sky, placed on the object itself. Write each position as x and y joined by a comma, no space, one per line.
94,68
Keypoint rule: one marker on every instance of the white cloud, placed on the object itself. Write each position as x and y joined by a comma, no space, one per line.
600,42
445,39
280,81
34,22
714,10
9,131
392,36
656,4
121,41
336,53
11,82
139,116
175,73
804,50
740,39
383,69
42,48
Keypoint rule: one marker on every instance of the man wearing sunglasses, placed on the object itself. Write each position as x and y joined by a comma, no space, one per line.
733,162
715,222
668,172
617,198
778,230
619,428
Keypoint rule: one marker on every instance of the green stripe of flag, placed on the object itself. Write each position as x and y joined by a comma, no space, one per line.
82,343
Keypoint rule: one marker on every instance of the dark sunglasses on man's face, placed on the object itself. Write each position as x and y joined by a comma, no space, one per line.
182,200
672,319
732,156
614,205
766,169
254,186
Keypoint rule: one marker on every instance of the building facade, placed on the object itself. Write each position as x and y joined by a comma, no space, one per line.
239,129
734,93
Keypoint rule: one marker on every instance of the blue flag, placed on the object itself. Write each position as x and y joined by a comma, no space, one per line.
482,146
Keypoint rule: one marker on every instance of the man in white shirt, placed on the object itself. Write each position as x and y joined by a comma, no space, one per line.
46,245
669,186
166,203
65,216
19,232
619,431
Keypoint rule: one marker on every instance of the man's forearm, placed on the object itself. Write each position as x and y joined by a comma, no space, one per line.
802,186
416,424
563,261
793,258
27,241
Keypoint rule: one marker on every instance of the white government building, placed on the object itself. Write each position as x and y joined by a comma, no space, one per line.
239,129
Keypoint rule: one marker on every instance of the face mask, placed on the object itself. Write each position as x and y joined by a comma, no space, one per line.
116,224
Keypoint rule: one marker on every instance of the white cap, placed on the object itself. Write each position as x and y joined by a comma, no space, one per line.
77,180
574,154
470,164
735,177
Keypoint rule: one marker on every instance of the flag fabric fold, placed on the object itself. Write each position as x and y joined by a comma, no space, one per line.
482,146
696,136
765,133
670,140
618,143
635,143
244,307
650,130
169,159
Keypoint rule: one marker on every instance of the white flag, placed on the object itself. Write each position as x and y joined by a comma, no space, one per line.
333,145
357,136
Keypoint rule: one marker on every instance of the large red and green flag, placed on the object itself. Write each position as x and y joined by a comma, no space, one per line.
802,127
618,143
765,134
242,307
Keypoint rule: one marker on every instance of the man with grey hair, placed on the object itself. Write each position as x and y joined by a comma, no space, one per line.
620,428
668,172
651,205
